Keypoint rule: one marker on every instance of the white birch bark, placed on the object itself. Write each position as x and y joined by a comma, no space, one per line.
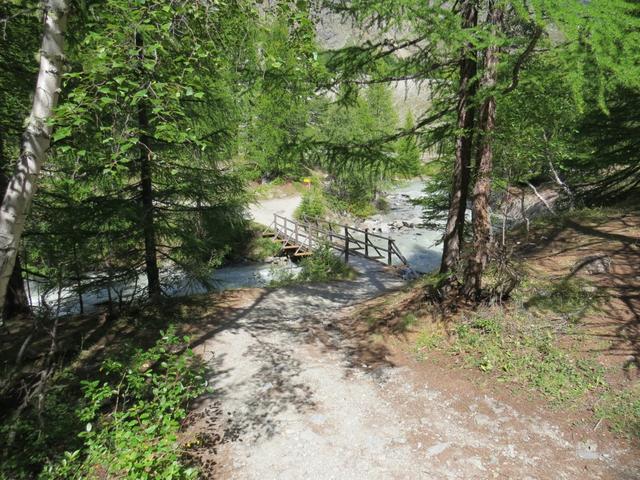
35,140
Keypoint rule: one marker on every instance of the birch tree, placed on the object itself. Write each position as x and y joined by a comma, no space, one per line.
35,142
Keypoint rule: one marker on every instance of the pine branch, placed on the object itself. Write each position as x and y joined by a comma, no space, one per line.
515,75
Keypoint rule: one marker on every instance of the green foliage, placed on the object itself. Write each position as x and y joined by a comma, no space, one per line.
622,410
408,153
20,41
583,62
282,96
409,320
127,62
41,437
262,248
121,423
526,354
357,174
428,339
324,265
132,416
313,205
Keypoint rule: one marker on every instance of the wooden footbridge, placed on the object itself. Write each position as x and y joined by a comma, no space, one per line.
300,238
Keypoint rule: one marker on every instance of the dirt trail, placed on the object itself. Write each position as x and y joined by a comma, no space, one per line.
262,211
288,406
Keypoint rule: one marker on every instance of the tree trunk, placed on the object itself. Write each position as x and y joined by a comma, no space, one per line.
454,231
16,300
482,189
146,184
35,141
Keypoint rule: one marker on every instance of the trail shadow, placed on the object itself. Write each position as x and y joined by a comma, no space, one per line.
266,333
606,252
264,326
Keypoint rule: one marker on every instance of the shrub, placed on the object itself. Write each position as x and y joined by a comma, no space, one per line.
261,248
313,205
132,416
324,265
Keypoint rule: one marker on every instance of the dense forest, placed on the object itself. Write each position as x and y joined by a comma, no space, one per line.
134,135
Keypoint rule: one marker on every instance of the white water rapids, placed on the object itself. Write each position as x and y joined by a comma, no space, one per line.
402,223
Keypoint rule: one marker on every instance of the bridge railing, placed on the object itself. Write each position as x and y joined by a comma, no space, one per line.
306,235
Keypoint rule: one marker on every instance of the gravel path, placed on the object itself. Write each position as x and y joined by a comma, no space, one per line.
262,211
289,406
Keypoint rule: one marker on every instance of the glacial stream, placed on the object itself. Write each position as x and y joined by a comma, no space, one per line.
402,222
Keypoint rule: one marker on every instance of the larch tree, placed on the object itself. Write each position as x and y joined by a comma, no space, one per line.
472,54
482,234
465,111
146,181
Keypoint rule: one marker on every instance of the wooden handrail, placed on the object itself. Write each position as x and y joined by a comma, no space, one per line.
306,236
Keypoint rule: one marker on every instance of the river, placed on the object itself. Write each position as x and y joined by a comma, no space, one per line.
402,222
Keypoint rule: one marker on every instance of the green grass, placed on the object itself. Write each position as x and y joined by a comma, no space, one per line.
621,410
525,353
408,321
428,339
568,298
519,345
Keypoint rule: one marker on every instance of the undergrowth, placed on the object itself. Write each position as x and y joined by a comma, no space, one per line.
313,205
520,352
322,266
122,424
622,410
525,346
262,247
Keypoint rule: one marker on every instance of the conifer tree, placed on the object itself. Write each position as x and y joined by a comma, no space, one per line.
472,54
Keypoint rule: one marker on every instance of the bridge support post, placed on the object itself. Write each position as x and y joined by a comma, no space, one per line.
366,243
346,244
389,249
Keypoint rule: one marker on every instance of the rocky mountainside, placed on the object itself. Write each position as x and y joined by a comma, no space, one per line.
335,32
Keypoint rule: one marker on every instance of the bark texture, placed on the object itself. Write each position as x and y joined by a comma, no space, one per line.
16,300
454,230
146,185
482,189
35,141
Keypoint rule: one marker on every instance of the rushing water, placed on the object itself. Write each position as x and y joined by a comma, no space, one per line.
175,284
418,244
